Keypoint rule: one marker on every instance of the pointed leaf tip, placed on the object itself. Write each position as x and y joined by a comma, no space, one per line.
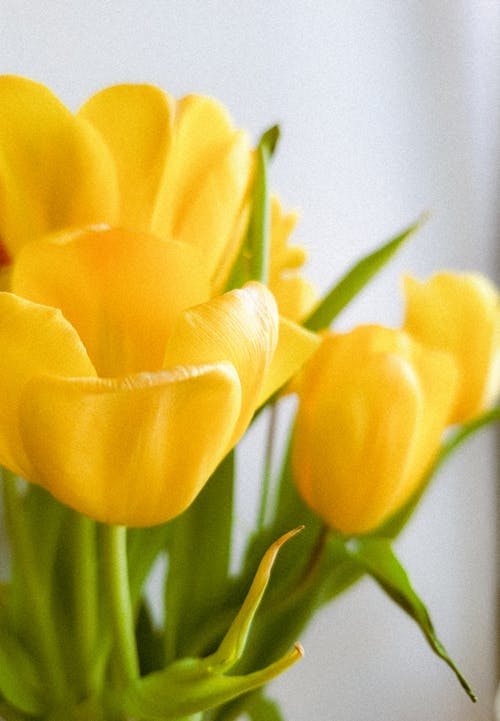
233,644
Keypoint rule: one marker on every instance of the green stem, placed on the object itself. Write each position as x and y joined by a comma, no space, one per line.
36,594
114,558
85,599
267,473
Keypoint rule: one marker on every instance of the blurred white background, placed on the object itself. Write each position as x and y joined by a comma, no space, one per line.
387,109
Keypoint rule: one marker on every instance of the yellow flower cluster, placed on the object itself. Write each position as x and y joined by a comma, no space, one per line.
374,403
125,375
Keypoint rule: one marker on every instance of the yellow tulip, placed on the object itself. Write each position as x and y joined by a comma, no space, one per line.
134,157
123,384
460,314
373,404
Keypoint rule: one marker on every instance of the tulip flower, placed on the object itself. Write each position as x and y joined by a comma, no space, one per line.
373,404
123,383
460,314
134,157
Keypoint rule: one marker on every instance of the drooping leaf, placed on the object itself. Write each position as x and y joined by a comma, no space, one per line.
356,279
378,559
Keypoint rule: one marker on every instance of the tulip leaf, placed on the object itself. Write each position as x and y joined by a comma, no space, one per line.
233,643
190,685
377,558
258,234
356,279
199,558
289,511
19,682
252,262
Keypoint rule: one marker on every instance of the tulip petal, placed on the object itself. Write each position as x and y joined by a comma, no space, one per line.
135,121
373,407
460,314
295,347
295,296
34,340
122,291
203,139
240,327
210,211
345,467
55,170
134,451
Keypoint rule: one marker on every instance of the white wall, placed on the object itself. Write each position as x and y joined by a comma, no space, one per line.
387,109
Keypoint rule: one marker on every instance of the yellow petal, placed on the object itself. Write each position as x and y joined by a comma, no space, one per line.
295,296
460,314
240,327
210,210
373,407
205,178
296,346
135,122
122,291
34,340
55,171
134,451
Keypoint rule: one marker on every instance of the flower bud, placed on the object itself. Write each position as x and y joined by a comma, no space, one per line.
373,406
460,314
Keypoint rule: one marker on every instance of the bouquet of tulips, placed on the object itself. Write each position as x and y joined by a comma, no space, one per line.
151,308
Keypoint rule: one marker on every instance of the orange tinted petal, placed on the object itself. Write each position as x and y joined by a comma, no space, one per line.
122,291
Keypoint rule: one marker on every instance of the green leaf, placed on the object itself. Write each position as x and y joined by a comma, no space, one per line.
188,686
233,643
199,558
253,260
378,559
19,681
269,140
356,279
191,685
290,512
